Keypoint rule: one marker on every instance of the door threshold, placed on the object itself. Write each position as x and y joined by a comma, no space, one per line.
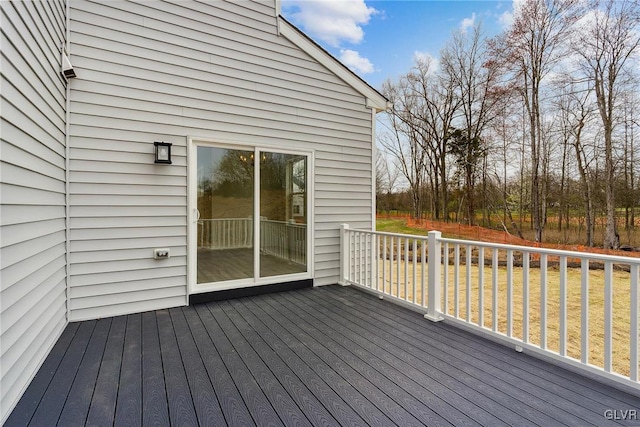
205,297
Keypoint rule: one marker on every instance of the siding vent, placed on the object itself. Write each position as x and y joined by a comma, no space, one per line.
67,69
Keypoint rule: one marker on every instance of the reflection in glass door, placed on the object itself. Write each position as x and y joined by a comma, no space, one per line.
252,216
225,201
283,214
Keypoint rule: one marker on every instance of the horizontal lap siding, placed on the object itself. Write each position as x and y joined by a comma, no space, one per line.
151,71
32,188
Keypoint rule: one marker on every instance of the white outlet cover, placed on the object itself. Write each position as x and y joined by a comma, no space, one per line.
161,253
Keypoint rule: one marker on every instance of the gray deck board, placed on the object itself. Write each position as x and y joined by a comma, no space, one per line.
79,400
181,406
320,356
591,395
32,397
257,403
280,399
155,411
339,409
307,401
557,401
128,405
385,393
204,397
427,364
233,407
54,399
306,349
388,372
103,401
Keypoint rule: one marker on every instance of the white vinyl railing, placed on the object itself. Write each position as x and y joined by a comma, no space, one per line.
282,239
225,233
576,307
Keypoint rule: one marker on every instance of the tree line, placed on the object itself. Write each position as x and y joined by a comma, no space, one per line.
540,119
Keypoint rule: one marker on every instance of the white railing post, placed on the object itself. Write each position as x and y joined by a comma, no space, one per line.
433,285
344,254
633,338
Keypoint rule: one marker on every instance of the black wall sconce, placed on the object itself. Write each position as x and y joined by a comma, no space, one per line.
163,152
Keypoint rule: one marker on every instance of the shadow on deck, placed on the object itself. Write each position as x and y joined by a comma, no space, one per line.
320,356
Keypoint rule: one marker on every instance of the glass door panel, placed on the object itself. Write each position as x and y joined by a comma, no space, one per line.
225,197
283,214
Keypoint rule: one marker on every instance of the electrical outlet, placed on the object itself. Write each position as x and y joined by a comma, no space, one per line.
161,253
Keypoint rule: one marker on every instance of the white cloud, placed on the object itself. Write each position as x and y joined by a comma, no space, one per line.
332,21
354,61
426,58
505,19
468,23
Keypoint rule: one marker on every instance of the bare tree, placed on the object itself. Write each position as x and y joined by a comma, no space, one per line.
463,65
607,41
630,124
439,105
528,51
576,109
387,174
404,140
506,130
420,120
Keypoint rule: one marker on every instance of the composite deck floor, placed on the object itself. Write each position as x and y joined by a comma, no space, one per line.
321,356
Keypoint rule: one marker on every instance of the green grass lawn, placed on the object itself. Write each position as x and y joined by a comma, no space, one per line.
397,226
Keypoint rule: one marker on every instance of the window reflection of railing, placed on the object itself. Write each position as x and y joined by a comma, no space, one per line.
282,239
285,240
225,233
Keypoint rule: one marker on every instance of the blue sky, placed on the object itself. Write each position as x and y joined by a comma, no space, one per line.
380,39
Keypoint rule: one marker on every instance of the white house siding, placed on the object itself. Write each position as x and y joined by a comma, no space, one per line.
164,71
32,191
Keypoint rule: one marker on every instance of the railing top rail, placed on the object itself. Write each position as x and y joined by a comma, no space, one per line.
226,219
547,251
275,221
519,248
385,233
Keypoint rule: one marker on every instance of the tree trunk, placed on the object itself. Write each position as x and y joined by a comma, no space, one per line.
586,185
611,236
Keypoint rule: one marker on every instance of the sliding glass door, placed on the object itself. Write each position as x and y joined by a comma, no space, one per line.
225,198
283,214
252,215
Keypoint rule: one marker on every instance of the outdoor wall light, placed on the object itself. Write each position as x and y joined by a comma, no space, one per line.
163,152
